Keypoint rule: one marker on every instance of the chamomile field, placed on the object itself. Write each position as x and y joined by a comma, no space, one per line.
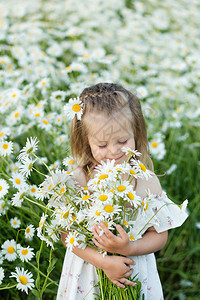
49,52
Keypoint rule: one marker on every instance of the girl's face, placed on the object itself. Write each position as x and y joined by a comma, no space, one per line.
107,136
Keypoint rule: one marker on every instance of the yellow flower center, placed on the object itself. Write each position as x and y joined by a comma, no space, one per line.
103,197
45,122
15,222
86,197
14,95
112,191
76,107
5,146
10,250
24,251
1,188
66,215
28,230
18,181
131,237
43,82
23,280
62,191
85,188
16,114
71,162
132,172
97,213
109,208
121,188
130,196
71,240
142,167
74,218
37,115
33,190
147,205
106,224
125,223
154,144
1,134
103,176
68,68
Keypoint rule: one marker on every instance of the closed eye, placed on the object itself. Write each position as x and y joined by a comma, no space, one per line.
104,146
124,142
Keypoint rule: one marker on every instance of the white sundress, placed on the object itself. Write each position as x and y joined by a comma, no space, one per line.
78,277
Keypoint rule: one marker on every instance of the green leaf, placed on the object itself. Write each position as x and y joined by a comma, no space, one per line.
35,293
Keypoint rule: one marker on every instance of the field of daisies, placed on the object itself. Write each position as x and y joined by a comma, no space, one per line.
49,51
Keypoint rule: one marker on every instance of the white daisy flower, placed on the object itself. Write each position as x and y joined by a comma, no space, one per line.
24,279
9,250
110,210
141,92
25,254
123,188
131,152
69,162
33,190
3,207
1,275
29,232
95,212
133,198
26,167
110,224
1,257
6,148
71,240
63,215
140,169
31,146
58,96
157,148
3,188
4,133
133,234
15,223
18,181
18,198
43,84
73,107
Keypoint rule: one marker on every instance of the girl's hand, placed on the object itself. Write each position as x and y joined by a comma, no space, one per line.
110,242
117,269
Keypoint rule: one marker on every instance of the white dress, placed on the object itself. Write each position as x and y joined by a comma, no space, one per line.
78,277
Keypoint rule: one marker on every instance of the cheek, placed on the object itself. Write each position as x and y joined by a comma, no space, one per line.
131,144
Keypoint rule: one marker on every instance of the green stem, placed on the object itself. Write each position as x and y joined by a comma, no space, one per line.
8,287
42,162
38,204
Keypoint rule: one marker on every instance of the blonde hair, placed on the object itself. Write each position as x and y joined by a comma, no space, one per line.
108,98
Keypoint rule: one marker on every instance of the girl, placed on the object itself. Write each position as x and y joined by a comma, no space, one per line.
111,119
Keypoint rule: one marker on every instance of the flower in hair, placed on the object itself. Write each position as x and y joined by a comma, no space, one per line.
73,107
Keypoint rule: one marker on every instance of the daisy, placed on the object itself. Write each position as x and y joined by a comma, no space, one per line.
18,198
25,254
3,188
6,148
69,162
43,84
130,151
4,133
29,232
123,188
33,190
9,250
26,166
31,146
58,96
24,279
73,107
133,198
140,169
15,223
109,210
3,207
133,234
157,148
1,275
71,240
18,181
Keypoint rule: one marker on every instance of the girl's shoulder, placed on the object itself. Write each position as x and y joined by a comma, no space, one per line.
153,184
80,176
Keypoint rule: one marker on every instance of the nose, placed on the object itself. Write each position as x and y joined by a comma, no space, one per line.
114,150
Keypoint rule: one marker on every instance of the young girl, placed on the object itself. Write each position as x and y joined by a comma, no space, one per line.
112,119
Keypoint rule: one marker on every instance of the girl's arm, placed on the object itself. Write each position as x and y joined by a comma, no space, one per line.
117,268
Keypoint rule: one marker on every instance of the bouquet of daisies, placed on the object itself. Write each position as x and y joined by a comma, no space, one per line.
77,209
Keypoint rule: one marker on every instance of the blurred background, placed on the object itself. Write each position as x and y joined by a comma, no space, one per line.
51,50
